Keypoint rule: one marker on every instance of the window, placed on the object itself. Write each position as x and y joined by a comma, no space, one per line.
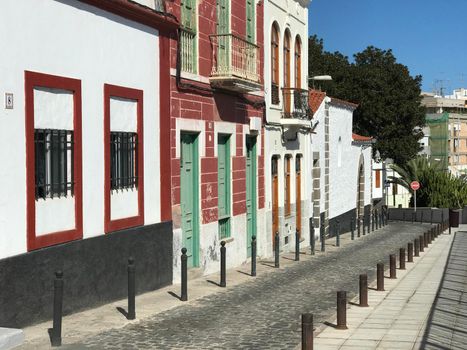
53,163
298,63
287,186
286,55
188,36
250,21
123,160
378,178
339,152
223,187
275,65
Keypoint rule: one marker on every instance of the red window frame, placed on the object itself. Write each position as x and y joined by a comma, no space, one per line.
133,221
33,80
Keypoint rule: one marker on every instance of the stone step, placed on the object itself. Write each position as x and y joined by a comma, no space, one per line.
10,338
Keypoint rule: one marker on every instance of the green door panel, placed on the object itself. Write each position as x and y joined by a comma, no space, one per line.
189,176
250,190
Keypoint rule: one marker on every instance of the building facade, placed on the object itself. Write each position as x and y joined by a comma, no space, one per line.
85,158
288,123
216,131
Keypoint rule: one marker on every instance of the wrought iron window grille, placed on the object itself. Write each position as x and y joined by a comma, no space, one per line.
123,161
54,163
298,104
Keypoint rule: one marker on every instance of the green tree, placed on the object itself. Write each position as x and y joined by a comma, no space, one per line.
388,97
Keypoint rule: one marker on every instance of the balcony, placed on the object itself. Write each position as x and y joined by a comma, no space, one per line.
235,64
296,110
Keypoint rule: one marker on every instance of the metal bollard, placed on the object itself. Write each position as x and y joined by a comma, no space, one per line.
352,228
341,310
223,282
131,315
363,290
410,252
417,247
307,331
56,334
297,245
364,222
312,237
321,236
402,259
392,266
380,277
431,216
422,244
276,250
425,239
253,256
338,238
377,219
184,293
359,224
372,217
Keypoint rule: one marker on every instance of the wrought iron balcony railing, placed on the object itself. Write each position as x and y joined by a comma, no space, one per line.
295,104
234,57
275,94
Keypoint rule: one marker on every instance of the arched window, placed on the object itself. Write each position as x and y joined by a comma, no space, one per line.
275,64
298,63
286,54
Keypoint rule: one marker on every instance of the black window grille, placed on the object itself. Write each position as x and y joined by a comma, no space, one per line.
123,160
54,173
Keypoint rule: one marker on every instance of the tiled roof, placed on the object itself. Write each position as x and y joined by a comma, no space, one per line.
357,137
315,99
343,103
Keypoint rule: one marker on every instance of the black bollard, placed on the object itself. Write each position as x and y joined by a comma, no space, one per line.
416,246
253,256
341,310
312,237
425,239
364,223
338,238
380,277
359,224
276,250
184,293
131,315
56,333
431,216
392,266
352,228
422,244
364,290
402,258
297,245
307,331
322,236
372,217
223,282
377,219
410,252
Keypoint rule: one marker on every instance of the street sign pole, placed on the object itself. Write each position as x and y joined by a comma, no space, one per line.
415,185
415,200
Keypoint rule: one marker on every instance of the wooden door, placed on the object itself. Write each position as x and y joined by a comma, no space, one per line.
298,196
250,190
189,179
275,197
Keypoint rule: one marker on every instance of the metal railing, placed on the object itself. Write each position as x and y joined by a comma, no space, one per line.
295,102
275,94
233,56
188,50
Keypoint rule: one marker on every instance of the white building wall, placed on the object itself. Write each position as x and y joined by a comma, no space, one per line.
71,39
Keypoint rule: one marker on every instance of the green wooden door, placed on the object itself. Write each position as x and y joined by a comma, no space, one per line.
222,30
250,190
250,21
223,190
189,179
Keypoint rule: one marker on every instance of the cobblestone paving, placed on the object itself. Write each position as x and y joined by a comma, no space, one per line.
447,326
264,313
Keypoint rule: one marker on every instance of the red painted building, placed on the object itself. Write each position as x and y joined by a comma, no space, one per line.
216,130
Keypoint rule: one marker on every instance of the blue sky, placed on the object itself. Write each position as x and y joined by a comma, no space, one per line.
428,36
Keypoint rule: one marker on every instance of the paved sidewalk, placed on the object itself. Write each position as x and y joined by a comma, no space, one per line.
260,313
396,318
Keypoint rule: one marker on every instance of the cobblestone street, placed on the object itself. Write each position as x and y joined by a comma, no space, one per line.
263,313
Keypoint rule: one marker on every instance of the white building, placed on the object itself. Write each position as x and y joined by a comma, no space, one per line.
288,122
342,163
81,152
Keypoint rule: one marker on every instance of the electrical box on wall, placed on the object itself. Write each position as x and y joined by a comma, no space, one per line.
255,124
8,101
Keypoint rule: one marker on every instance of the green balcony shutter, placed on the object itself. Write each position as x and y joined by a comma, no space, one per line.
250,21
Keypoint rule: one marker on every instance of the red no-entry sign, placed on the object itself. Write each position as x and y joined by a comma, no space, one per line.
415,185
